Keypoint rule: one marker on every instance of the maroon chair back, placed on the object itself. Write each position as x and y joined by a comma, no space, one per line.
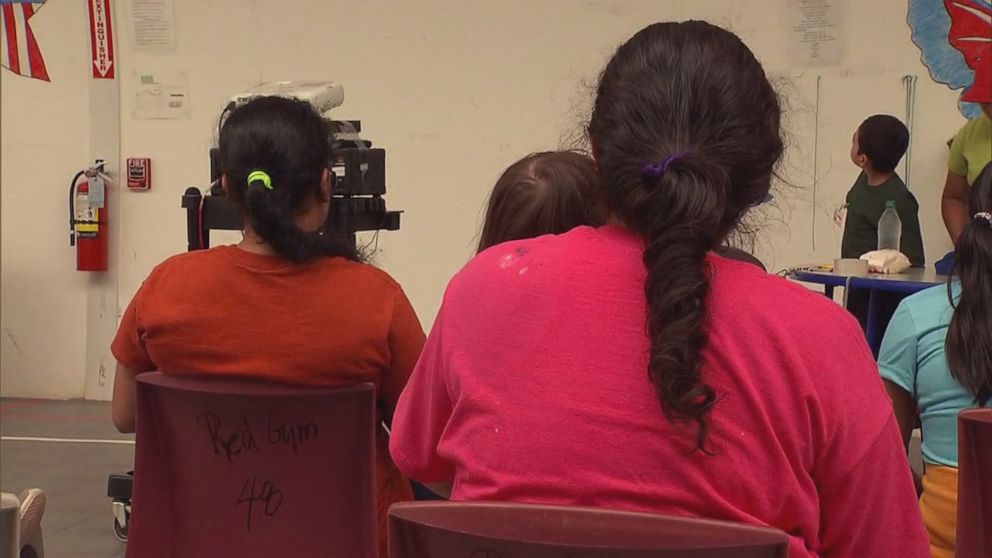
503,530
240,468
974,529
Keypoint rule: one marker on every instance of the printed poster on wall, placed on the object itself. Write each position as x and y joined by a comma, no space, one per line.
814,32
162,97
101,39
153,25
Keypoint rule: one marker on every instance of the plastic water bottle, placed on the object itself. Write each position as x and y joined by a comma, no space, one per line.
889,228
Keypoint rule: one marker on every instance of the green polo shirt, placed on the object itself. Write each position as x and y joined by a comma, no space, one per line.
865,205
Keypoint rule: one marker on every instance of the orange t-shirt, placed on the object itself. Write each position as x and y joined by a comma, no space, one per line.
327,323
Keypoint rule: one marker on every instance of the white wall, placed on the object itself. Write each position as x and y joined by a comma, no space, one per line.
44,135
457,90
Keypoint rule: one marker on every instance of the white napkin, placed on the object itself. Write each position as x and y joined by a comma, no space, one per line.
886,261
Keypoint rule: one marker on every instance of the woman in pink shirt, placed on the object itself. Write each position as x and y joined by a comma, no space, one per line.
629,367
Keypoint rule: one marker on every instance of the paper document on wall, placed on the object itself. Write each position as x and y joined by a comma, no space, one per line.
153,25
814,32
156,100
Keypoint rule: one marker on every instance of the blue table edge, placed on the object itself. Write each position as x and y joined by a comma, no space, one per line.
830,280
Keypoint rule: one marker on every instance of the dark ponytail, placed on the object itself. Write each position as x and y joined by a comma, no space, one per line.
284,145
969,336
686,134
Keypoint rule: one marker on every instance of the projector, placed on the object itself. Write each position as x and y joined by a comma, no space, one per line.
358,172
323,95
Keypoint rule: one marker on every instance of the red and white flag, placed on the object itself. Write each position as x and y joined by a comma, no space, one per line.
20,53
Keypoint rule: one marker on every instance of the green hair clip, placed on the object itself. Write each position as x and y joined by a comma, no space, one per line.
262,176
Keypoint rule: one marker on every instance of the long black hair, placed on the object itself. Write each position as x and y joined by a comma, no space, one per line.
551,192
288,140
686,133
969,336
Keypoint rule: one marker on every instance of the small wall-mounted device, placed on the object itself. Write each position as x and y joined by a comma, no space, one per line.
139,173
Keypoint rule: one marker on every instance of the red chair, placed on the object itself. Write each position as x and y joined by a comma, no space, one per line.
974,525
494,530
240,468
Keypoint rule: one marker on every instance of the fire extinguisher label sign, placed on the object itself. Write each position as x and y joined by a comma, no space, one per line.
96,191
87,217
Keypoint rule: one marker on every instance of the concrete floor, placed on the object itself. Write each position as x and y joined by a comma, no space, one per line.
77,521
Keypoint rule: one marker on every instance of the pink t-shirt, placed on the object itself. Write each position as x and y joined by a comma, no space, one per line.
533,387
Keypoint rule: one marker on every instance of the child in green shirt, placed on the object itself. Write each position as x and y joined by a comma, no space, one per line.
878,145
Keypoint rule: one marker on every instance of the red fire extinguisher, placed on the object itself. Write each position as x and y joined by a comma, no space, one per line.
88,218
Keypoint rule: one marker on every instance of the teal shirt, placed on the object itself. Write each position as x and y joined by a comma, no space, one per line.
912,357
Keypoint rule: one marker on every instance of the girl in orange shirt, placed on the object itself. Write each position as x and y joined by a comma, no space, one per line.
285,304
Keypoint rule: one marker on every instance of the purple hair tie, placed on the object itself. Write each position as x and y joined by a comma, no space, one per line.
653,170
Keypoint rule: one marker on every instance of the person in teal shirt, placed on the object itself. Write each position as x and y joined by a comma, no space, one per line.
913,358
936,359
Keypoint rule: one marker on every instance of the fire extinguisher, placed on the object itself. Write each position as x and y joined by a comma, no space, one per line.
88,218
